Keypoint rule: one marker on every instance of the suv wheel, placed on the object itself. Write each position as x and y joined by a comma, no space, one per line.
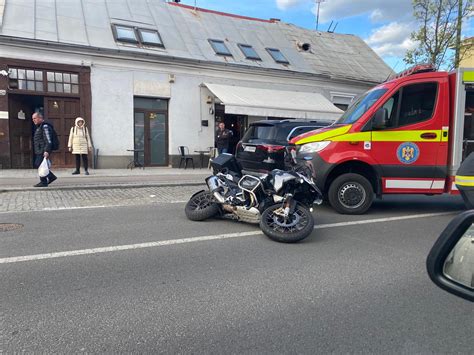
351,194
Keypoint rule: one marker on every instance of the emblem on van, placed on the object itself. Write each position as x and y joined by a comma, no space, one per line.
408,153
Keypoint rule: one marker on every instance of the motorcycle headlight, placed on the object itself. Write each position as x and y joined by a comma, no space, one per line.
314,147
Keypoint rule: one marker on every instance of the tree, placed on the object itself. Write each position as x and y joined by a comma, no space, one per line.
438,38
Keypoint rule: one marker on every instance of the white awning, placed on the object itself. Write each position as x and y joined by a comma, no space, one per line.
241,100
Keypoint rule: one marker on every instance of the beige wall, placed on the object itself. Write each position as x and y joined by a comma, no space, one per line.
468,58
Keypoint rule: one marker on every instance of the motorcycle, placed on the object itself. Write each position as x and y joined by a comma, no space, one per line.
281,201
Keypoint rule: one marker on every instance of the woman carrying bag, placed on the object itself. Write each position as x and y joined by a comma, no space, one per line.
80,144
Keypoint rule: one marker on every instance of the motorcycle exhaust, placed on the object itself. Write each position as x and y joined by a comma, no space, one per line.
213,183
218,197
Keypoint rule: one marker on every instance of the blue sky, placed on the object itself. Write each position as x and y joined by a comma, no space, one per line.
384,24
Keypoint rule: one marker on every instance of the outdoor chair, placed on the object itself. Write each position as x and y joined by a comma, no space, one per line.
212,154
184,152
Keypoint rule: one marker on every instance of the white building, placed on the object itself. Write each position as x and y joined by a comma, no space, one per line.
154,75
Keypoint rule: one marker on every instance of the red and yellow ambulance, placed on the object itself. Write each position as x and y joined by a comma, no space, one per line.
405,136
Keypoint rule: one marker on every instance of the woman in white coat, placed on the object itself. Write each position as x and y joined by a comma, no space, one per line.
80,144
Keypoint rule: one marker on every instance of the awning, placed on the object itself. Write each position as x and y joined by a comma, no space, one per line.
241,100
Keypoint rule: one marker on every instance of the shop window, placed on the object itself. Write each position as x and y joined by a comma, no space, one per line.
249,52
220,47
25,79
277,56
62,82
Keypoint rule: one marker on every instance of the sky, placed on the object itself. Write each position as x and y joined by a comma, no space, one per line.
384,24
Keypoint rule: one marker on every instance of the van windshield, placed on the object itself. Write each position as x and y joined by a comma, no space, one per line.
361,106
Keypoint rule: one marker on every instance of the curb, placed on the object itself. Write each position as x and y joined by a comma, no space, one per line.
103,186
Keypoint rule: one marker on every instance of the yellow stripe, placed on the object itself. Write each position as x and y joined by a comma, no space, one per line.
338,135
404,136
352,137
325,135
464,180
464,183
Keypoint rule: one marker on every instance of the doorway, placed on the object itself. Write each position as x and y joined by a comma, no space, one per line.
60,112
151,131
20,110
236,123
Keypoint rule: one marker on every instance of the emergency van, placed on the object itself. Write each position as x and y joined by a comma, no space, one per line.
408,135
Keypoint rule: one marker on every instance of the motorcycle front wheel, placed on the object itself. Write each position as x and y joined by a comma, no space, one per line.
291,229
201,206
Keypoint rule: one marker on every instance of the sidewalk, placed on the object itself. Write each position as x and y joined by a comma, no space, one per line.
23,180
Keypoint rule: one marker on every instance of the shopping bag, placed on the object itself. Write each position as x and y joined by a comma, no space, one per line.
43,169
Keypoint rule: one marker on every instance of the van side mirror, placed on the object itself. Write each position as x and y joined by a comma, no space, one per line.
450,263
380,118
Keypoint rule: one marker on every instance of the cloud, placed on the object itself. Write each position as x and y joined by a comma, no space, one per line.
285,4
391,40
378,11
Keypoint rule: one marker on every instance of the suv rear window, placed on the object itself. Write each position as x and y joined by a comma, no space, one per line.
266,133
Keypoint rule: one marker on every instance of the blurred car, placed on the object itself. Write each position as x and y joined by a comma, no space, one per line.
262,147
450,263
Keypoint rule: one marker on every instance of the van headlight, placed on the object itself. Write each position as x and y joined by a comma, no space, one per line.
314,147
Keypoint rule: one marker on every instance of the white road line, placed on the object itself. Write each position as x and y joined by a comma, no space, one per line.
53,209
16,259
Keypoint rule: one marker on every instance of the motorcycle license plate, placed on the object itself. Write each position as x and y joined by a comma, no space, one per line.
250,148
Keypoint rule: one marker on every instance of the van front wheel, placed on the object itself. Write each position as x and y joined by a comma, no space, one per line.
351,194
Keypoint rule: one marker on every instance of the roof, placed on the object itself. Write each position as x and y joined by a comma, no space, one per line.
185,33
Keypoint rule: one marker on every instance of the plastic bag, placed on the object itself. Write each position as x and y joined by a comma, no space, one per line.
43,169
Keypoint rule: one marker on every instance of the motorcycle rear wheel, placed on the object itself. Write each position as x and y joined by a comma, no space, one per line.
297,227
201,206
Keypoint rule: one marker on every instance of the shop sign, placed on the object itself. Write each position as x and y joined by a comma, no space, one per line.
3,115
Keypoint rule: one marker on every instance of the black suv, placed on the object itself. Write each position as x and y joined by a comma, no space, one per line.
263,144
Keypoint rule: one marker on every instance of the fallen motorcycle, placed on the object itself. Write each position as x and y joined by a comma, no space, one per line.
280,201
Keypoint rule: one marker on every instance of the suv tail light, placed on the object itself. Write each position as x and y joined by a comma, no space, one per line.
238,146
270,148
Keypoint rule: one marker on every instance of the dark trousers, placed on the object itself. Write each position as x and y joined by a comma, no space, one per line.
85,162
38,160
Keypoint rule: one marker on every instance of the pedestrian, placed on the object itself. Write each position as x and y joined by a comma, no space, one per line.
42,146
223,136
80,144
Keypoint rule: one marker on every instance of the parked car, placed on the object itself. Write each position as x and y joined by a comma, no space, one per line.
263,144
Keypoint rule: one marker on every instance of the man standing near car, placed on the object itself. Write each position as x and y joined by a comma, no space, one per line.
42,146
223,136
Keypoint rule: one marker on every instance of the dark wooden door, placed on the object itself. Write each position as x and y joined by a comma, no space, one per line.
62,113
21,146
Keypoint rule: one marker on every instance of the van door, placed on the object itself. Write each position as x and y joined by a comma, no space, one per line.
408,148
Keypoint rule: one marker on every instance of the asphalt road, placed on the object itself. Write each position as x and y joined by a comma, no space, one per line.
356,285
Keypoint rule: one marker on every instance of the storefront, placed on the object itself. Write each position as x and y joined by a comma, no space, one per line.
60,92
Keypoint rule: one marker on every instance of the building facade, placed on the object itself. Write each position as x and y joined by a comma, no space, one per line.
149,76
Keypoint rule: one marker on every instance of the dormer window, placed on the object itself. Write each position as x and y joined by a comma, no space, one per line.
249,52
125,34
136,35
219,47
277,56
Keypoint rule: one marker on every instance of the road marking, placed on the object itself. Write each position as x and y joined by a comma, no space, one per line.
54,209
53,255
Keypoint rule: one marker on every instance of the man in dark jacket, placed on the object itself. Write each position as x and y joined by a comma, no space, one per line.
42,143
223,136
